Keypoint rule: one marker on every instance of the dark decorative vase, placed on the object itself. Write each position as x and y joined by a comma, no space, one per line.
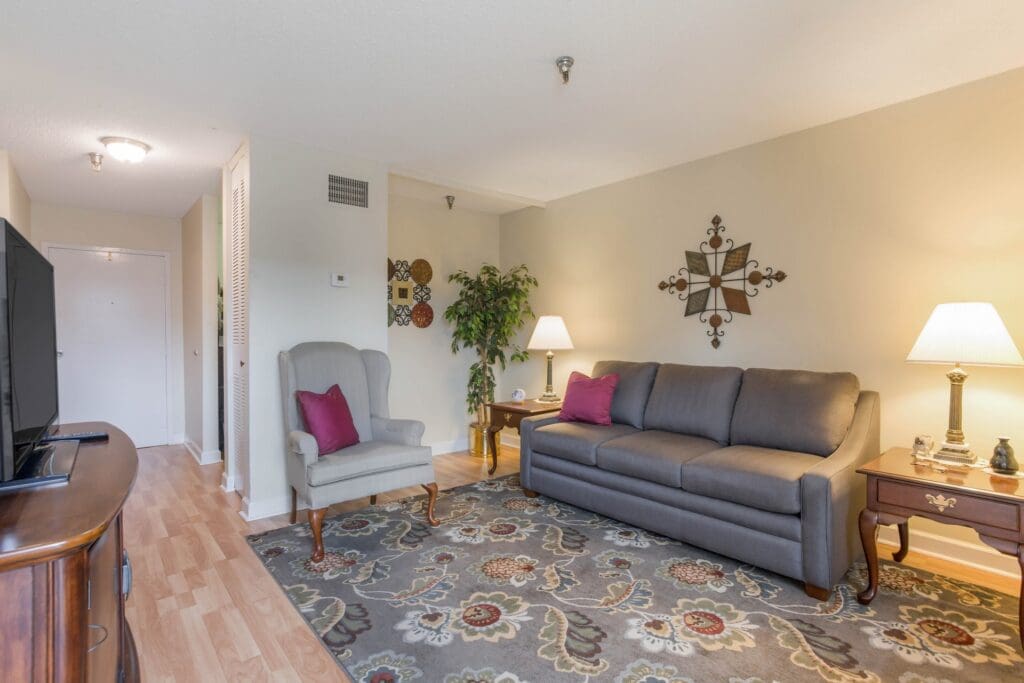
1002,460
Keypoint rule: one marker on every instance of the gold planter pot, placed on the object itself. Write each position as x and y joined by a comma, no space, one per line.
478,445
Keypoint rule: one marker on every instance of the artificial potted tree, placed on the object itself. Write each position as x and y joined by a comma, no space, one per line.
491,308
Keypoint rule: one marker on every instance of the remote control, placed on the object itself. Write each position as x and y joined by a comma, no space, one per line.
78,436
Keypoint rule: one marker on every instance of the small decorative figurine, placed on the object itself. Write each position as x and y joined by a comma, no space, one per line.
922,446
518,395
1002,460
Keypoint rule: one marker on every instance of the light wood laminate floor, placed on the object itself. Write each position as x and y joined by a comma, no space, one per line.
202,606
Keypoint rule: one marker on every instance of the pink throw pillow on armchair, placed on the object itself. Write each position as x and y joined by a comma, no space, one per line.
328,419
589,399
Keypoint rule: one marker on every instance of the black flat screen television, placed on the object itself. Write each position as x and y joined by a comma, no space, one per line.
28,351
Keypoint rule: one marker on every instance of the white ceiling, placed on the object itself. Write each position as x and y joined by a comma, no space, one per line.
459,91
466,197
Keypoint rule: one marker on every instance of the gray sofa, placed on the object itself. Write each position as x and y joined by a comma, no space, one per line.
758,465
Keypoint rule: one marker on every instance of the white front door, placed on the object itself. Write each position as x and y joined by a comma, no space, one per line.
112,339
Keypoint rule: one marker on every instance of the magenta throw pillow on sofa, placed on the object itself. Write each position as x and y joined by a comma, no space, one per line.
589,399
328,419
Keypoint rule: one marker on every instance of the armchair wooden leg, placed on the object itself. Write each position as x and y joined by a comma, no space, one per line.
529,494
295,506
316,523
373,499
431,499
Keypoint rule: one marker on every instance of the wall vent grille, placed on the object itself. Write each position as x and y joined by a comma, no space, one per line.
342,190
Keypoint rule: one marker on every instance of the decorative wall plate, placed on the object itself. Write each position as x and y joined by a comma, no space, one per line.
409,293
718,281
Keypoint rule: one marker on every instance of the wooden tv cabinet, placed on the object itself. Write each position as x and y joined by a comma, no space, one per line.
64,574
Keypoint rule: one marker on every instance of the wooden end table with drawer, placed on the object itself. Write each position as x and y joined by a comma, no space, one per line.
899,488
510,414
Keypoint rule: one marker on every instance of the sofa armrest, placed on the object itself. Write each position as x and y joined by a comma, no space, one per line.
832,495
405,432
303,445
526,427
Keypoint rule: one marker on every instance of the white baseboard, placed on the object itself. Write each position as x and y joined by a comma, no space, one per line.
227,484
973,555
454,446
253,510
509,438
202,457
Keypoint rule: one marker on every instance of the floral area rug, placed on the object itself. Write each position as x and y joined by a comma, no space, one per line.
511,589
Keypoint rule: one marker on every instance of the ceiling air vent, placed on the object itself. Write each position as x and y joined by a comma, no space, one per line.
342,190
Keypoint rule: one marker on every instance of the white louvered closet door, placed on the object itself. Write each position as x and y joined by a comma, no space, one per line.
237,315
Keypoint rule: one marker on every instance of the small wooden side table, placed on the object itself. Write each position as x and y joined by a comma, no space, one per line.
510,414
899,488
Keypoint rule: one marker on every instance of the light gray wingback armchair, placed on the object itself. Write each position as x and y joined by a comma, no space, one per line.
389,454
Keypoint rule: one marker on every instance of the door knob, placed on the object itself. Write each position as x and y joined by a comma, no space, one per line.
60,354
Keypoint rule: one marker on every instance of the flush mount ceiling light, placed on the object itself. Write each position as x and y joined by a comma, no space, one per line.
126,149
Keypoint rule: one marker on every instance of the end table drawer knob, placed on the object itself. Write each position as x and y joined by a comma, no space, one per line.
940,502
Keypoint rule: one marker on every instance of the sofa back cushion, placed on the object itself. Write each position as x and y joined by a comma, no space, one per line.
694,400
795,410
630,399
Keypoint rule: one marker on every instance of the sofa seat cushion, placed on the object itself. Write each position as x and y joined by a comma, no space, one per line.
652,455
368,457
575,441
763,478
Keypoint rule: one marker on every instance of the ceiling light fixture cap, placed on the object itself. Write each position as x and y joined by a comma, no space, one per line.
564,64
126,149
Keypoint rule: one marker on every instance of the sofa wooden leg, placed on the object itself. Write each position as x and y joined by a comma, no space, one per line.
817,593
373,499
529,494
295,506
431,500
316,524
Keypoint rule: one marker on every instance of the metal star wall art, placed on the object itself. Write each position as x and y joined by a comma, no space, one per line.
703,283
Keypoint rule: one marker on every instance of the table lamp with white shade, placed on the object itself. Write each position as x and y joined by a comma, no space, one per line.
550,335
971,333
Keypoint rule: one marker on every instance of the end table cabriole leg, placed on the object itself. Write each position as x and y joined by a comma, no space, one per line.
492,440
1020,609
904,542
868,538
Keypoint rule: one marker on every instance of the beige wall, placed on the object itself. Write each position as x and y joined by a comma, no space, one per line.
297,240
87,227
200,239
428,382
15,204
876,219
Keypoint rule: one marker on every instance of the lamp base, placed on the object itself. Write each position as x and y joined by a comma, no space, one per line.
956,453
549,398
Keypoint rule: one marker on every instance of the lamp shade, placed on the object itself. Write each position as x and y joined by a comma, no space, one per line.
969,332
550,334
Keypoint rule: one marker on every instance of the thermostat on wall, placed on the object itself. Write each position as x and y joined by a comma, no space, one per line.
339,280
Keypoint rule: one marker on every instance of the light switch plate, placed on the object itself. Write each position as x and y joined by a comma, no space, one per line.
339,280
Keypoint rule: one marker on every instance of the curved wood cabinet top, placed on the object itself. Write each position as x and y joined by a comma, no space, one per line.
41,524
